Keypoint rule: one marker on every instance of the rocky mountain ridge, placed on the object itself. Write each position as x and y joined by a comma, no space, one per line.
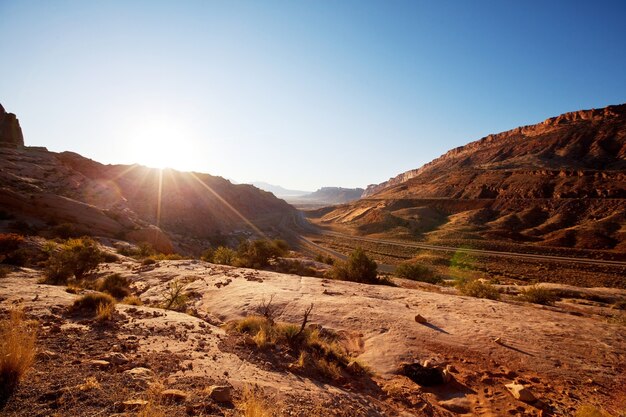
561,182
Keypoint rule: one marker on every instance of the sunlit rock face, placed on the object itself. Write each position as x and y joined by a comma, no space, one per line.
10,130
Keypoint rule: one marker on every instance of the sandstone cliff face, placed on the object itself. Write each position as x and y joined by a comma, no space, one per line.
10,130
571,169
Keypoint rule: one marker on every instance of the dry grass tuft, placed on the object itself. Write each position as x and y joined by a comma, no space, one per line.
104,312
90,383
155,406
95,303
538,295
17,351
591,411
254,404
132,300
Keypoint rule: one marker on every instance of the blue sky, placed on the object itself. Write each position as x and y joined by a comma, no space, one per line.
300,94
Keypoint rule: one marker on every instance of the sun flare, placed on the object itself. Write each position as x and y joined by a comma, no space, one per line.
161,144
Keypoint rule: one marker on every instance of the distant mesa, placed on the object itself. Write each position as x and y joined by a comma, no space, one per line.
10,130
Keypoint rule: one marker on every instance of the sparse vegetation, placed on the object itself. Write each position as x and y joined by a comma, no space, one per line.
115,285
538,295
92,303
4,271
104,312
417,272
174,297
132,300
254,403
478,289
256,254
223,256
591,411
75,258
358,268
17,352
321,354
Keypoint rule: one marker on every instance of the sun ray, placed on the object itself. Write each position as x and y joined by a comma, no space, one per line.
229,206
159,198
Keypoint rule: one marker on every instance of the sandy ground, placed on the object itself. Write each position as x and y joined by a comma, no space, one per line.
565,357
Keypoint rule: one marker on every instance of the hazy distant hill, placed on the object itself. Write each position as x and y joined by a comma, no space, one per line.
277,190
330,196
561,182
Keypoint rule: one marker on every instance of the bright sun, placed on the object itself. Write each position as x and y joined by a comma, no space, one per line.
161,144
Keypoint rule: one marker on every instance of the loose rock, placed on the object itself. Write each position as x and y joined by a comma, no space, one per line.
520,392
220,393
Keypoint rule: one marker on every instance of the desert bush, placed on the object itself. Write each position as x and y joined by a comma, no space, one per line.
115,285
10,242
358,268
478,289
76,257
174,297
148,261
17,352
290,266
417,272
538,295
207,255
92,303
323,355
224,256
4,271
258,253
132,300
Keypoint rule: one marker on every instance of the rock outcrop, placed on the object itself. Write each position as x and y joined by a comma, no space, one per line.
10,130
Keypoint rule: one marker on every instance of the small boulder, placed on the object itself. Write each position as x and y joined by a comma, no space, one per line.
420,319
140,374
220,393
133,405
520,392
459,405
99,363
426,377
174,395
117,358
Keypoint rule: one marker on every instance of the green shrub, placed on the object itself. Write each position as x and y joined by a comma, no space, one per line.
358,268
417,272
9,242
208,255
258,253
479,289
115,285
92,302
75,258
224,256
538,295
